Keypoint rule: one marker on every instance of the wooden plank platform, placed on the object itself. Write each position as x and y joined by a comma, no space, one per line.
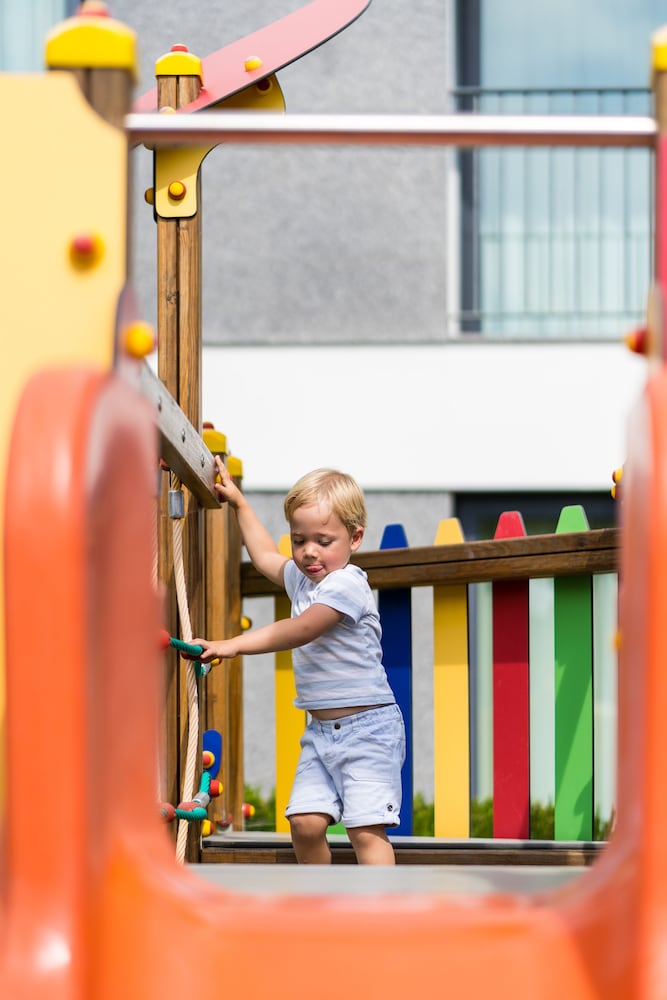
276,849
368,880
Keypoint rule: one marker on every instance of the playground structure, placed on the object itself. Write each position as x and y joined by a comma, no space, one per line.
93,902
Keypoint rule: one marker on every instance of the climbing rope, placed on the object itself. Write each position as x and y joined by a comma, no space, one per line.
191,681
192,807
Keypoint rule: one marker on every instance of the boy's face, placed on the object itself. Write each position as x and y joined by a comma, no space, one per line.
320,541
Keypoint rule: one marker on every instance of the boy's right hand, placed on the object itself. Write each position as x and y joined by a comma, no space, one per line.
225,488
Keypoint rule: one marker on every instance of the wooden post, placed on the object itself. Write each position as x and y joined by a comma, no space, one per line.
224,688
179,81
234,770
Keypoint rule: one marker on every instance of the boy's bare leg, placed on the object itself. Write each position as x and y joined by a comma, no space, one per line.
309,838
371,845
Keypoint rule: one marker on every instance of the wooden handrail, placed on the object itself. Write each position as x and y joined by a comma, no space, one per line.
181,445
576,553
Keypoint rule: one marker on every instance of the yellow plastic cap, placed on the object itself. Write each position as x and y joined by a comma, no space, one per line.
91,40
234,466
659,50
179,62
215,441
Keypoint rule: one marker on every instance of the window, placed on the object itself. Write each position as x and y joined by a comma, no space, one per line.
555,243
23,29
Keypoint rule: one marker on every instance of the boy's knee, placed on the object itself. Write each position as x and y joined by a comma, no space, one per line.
309,826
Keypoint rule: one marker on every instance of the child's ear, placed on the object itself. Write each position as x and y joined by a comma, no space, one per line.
356,538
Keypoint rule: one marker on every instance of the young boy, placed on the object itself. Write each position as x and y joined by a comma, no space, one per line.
354,746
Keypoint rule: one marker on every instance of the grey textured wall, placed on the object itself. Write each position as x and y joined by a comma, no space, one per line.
315,244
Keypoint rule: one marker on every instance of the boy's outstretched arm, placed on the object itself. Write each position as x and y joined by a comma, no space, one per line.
288,633
261,547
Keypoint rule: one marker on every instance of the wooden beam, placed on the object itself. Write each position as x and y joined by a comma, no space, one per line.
181,445
533,557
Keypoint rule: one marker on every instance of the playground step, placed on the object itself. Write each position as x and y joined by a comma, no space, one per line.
271,848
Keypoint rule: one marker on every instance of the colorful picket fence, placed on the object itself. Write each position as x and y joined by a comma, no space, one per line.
572,557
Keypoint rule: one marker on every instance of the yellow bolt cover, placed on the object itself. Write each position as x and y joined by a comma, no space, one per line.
177,190
139,339
215,441
179,62
91,40
234,466
253,62
86,250
659,49
149,196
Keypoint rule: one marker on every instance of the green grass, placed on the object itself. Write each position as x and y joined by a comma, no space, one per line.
481,819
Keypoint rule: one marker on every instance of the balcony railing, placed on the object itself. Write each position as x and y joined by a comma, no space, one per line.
554,243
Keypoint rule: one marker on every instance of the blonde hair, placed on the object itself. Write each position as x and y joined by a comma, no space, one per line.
338,491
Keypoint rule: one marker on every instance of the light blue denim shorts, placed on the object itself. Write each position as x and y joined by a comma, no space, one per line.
350,768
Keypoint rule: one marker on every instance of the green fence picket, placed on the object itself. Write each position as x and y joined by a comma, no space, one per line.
573,650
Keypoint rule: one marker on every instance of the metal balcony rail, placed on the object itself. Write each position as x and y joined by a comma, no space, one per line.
554,245
552,226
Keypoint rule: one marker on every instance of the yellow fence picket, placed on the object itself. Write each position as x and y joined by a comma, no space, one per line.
451,762
290,721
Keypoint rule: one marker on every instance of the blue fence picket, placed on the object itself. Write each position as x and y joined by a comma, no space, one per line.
396,615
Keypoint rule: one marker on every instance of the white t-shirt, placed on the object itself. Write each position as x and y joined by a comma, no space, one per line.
344,666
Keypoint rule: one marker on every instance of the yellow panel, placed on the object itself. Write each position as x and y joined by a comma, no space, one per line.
451,757
63,175
181,165
264,95
290,721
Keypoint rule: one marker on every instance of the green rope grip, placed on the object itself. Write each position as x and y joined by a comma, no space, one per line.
202,798
190,814
191,649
